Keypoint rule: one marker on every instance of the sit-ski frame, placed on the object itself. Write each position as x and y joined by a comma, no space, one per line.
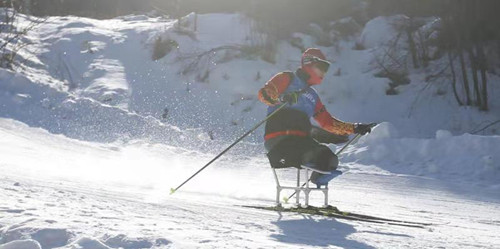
298,188
305,187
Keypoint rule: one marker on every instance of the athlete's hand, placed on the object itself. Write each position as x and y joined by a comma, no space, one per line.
290,98
362,129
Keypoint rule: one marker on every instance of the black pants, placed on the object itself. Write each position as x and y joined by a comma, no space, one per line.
293,151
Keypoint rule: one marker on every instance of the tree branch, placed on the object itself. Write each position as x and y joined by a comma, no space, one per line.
486,127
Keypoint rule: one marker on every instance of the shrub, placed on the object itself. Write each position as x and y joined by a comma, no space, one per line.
162,47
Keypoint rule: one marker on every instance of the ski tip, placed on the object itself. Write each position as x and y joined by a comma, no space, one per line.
172,191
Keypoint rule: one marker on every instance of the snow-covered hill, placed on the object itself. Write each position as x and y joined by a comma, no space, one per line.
95,80
93,133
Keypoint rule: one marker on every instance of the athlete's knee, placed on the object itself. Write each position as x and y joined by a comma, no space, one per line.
333,162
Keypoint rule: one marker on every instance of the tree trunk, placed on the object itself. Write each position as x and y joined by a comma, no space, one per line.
27,7
474,68
464,76
498,50
424,55
411,42
484,80
460,24
454,79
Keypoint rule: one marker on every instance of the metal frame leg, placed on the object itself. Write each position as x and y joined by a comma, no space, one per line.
278,188
297,191
325,192
307,190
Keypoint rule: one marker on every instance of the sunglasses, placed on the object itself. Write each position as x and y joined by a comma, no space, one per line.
317,62
322,65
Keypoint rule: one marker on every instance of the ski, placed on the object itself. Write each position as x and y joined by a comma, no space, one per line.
334,212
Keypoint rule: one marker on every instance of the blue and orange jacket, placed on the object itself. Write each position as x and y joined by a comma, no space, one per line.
295,119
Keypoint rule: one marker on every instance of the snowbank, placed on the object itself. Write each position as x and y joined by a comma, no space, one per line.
53,239
465,157
380,30
21,244
15,237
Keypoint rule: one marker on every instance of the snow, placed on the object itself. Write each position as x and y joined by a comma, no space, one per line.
87,160
98,200
461,158
380,30
21,244
86,243
443,134
51,237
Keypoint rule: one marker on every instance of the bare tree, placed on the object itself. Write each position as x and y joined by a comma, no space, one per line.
12,34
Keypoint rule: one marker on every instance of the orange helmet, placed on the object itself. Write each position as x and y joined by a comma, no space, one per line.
314,57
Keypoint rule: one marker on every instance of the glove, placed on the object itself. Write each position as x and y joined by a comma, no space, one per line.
290,98
362,129
268,97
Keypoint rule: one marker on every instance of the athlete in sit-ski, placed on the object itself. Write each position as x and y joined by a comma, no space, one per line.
288,133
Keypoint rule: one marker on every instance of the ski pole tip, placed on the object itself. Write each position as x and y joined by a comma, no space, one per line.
172,191
285,199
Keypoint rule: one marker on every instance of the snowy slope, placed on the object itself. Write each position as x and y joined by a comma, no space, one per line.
119,72
65,193
108,62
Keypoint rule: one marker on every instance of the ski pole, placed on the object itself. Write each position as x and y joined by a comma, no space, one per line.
173,190
338,153
348,143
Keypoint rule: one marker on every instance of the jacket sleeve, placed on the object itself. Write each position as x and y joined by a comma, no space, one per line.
269,94
330,123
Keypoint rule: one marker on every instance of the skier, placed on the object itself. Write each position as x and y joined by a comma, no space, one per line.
288,134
